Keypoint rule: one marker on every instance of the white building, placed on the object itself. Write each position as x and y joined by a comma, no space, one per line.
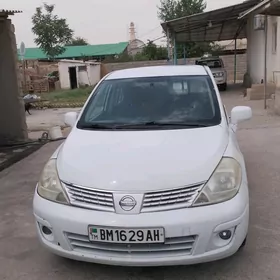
135,45
256,48
76,73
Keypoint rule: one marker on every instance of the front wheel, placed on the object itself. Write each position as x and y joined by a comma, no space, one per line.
243,244
223,87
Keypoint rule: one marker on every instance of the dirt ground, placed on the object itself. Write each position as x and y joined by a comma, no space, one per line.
23,258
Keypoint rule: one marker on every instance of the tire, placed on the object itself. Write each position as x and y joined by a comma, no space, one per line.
223,87
243,244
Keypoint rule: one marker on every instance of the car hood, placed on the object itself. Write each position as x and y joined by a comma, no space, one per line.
141,160
216,70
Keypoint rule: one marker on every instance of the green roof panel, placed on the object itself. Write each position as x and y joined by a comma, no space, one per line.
79,51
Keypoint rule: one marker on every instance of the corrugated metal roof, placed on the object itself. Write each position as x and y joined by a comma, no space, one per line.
79,62
5,13
217,25
79,51
273,9
265,7
256,8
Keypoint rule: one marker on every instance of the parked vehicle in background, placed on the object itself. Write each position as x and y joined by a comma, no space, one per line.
218,70
150,175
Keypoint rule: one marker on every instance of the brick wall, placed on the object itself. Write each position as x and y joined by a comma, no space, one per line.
228,61
12,115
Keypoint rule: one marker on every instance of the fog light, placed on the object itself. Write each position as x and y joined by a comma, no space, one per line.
46,230
225,234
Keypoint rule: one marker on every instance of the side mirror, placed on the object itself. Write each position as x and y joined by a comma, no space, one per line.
70,118
240,113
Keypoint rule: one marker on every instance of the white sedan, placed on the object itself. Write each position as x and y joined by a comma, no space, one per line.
150,175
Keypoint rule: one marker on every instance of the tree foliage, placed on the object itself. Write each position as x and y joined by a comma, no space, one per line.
173,9
51,32
78,41
154,52
149,52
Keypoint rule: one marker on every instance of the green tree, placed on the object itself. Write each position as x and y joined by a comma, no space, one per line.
153,52
140,57
173,9
78,41
51,32
216,49
167,10
189,7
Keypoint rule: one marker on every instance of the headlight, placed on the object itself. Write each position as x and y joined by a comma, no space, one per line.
49,186
223,185
219,74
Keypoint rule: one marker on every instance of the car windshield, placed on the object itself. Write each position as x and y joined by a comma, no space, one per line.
167,100
215,63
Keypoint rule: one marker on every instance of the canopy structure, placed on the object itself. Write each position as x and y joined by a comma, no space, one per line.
217,25
265,7
229,23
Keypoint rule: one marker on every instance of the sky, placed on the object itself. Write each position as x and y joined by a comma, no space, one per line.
98,21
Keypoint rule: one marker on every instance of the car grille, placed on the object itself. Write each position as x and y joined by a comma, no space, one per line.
89,198
170,199
172,246
153,201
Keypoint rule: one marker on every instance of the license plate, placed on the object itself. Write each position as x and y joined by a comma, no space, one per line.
218,80
125,235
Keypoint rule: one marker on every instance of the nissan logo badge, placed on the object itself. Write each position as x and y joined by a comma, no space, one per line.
127,203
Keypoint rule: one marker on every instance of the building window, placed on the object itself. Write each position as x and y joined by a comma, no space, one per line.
82,68
274,38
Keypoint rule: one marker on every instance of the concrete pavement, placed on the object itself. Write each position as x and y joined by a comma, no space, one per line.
41,120
23,258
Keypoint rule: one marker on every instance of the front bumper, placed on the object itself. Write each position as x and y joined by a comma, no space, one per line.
220,81
201,225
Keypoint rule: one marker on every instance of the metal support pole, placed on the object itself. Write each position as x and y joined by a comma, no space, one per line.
174,51
185,59
265,62
24,75
168,45
235,56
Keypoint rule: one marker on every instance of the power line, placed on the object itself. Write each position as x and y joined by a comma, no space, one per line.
150,41
149,32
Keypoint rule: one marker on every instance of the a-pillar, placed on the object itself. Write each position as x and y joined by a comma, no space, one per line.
12,114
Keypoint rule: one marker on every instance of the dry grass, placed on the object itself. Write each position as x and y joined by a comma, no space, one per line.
64,96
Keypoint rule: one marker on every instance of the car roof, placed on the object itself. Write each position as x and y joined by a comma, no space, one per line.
158,71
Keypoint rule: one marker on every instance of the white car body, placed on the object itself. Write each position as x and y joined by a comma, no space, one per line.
123,166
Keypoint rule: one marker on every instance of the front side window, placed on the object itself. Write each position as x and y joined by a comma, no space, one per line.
172,100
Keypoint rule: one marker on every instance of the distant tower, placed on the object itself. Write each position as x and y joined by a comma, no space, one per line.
135,45
132,32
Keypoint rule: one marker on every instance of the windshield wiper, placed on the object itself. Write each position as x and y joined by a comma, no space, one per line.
161,124
140,125
95,126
